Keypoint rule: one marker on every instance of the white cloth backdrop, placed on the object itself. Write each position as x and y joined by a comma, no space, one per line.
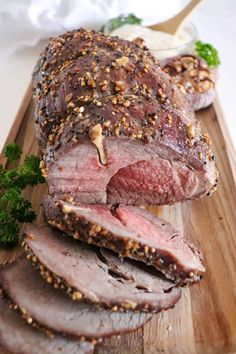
24,23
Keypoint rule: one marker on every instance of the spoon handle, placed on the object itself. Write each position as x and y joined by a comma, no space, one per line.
173,25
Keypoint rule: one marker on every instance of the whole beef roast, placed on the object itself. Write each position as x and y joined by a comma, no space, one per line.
20,338
115,127
90,274
53,309
129,231
194,77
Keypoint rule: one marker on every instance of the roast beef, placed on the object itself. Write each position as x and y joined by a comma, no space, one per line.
117,129
83,65
129,231
194,76
88,274
20,338
172,165
54,310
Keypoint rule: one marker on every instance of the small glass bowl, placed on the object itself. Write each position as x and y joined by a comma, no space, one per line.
190,31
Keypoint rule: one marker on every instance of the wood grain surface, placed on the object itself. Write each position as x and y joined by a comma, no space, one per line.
204,321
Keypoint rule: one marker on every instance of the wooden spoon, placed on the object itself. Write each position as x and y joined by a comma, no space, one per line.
174,25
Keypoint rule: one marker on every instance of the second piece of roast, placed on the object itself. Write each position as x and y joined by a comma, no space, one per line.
52,309
89,275
195,77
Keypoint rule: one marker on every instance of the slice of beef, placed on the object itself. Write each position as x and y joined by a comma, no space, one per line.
89,275
129,155
131,232
197,79
20,338
53,309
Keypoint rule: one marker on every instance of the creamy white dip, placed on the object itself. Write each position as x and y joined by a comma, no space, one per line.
163,45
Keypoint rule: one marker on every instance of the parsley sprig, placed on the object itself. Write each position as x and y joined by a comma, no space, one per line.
14,209
119,21
207,52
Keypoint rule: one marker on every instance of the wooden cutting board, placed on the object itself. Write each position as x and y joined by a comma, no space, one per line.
204,321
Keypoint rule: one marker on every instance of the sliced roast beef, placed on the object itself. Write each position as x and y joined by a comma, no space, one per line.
129,231
54,310
20,338
195,77
88,274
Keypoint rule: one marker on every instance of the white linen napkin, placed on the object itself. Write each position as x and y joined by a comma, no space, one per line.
24,23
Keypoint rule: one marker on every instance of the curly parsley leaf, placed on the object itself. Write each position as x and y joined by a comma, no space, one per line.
207,52
14,209
12,152
9,230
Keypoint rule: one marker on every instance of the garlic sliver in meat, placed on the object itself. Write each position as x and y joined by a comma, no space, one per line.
97,139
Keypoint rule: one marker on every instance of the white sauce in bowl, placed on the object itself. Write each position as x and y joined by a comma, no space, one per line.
163,45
